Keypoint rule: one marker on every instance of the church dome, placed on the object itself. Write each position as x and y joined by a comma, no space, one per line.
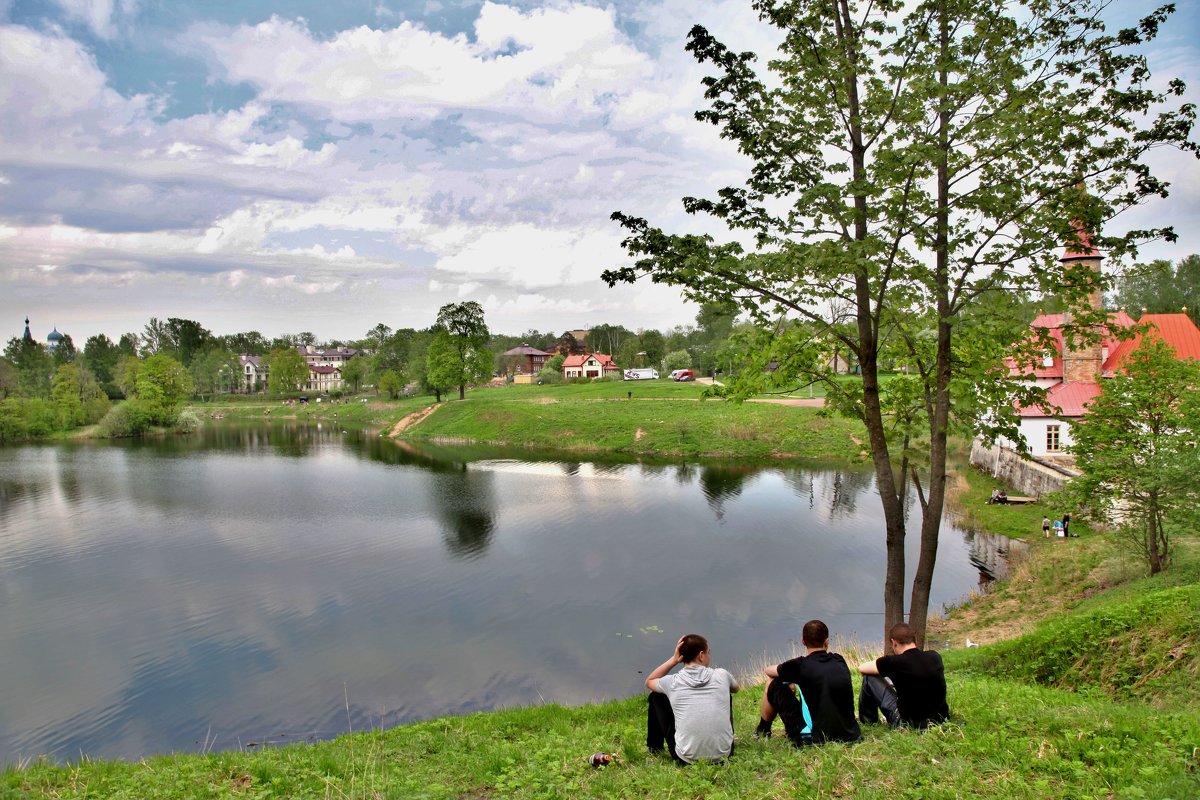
54,336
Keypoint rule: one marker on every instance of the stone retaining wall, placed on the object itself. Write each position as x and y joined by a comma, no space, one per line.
1021,476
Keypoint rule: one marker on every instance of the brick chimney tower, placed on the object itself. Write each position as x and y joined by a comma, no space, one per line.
1082,361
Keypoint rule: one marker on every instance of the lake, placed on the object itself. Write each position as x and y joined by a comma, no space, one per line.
266,584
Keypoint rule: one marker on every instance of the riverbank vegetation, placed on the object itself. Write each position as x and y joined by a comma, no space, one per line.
1082,688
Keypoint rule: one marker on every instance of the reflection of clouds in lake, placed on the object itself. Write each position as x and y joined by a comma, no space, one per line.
257,590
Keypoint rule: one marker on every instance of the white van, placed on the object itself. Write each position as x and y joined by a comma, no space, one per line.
641,374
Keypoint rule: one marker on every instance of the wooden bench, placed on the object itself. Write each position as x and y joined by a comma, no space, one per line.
1017,501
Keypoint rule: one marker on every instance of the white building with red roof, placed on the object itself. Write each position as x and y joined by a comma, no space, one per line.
590,365
1072,370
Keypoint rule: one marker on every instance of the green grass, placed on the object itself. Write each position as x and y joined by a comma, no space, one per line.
1008,740
661,419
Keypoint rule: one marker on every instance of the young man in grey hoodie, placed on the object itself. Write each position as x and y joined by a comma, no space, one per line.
690,711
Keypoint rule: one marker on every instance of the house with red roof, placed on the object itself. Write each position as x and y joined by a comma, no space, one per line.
1072,371
590,365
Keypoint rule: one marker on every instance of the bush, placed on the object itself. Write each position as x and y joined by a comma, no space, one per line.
187,422
128,419
12,420
549,374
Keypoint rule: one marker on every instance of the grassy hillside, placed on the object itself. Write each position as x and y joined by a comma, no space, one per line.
661,418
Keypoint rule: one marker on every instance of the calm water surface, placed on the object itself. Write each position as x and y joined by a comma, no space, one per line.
246,584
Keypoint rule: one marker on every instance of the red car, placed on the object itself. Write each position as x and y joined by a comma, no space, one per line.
685,375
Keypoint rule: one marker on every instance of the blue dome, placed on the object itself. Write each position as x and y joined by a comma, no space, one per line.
54,336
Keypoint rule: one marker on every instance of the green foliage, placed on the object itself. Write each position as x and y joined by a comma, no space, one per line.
676,359
1137,448
33,365
130,418
162,387
458,354
100,355
1161,287
187,422
354,372
288,371
391,382
1127,650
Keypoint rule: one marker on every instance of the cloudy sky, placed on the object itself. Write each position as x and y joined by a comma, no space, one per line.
323,166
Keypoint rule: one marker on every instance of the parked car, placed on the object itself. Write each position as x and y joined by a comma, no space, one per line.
641,374
683,375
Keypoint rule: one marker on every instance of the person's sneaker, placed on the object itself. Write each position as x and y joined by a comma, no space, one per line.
762,731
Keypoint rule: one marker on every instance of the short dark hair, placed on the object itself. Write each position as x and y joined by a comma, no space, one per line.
815,633
692,646
903,633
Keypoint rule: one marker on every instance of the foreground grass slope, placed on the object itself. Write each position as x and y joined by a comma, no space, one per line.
1009,740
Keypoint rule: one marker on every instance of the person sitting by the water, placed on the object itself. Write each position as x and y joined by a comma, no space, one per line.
909,687
995,495
691,711
1002,498
822,709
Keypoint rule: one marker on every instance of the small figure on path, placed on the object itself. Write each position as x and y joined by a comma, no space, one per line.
1046,526
909,687
1066,526
691,711
813,694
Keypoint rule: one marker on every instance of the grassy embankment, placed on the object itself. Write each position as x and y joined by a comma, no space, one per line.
662,418
1093,698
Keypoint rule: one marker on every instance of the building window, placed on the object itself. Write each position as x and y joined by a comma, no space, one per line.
1052,438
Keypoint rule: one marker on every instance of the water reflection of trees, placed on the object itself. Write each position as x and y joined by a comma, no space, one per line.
465,504
724,483
837,490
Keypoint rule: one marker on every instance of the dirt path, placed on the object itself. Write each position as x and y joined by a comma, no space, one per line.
411,419
807,402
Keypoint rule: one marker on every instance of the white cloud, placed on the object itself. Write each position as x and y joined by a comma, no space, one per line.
53,87
544,63
96,14
531,257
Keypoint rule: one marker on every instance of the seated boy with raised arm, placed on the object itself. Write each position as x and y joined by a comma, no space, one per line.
823,710
690,711
916,695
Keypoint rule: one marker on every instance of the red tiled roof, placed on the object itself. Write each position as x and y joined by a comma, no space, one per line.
323,370
606,361
1053,323
1177,330
1071,398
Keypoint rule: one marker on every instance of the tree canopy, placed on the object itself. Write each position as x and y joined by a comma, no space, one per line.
1137,449
460,328
909,161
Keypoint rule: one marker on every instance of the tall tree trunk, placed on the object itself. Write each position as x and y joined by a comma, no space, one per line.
462,391
931,511
868,355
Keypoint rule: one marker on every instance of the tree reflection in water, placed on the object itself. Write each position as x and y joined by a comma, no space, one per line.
465,506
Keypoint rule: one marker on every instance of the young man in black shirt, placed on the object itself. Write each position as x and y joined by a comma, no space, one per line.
825,691
917,693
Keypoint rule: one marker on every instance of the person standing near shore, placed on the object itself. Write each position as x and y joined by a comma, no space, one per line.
691,711
1046,527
